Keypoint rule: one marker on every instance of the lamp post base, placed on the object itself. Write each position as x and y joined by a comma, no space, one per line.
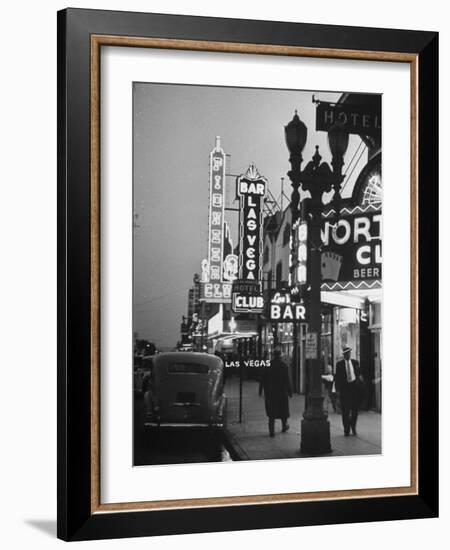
315,436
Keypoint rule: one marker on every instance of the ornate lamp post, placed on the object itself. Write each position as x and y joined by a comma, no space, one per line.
295,133
317,178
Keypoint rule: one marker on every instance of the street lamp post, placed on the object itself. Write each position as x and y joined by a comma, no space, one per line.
317,178
295,133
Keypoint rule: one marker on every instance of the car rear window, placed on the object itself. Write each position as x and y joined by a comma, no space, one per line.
188,368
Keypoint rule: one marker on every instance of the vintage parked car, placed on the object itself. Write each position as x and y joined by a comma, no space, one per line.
185,389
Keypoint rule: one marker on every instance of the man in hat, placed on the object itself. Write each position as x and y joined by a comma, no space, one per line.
348,384
277,390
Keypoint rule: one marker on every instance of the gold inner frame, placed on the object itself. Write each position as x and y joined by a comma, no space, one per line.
97,41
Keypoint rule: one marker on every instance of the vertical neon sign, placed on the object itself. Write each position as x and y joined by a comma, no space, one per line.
298,260
251,190
216,213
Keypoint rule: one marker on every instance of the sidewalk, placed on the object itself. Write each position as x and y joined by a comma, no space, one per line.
250,438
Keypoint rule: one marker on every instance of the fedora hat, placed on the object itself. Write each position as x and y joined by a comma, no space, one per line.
346,349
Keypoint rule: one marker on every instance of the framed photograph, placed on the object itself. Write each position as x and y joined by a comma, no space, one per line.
248,302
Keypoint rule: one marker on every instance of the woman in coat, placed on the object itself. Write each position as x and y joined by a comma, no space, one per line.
277,390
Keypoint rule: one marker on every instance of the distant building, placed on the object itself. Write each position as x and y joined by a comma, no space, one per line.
194,297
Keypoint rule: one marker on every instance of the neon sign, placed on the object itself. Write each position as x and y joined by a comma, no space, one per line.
298,260
216,292
242,303
217,272
352,247
247,297
283,310
230,267
216,212
251,188
287,312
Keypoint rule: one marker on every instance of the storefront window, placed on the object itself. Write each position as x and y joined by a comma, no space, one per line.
346,332
375,315
326,342
375,366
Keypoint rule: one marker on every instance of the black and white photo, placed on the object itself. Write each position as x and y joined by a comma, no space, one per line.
257,273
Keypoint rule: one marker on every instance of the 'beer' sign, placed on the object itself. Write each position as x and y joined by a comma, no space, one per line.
352,247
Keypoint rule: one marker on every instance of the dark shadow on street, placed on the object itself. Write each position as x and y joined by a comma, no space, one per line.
178,446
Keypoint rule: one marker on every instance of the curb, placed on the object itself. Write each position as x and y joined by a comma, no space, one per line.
232,446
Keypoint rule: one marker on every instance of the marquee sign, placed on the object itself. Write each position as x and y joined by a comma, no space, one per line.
352,252
356,119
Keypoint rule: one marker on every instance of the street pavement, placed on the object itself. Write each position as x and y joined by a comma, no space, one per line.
250,438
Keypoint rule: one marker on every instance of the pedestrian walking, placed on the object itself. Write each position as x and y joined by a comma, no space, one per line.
348,384
330,386
277,390
261,374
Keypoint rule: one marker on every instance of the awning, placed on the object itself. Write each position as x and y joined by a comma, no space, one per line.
225,341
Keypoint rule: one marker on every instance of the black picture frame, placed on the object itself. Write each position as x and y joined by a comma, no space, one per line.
77,518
